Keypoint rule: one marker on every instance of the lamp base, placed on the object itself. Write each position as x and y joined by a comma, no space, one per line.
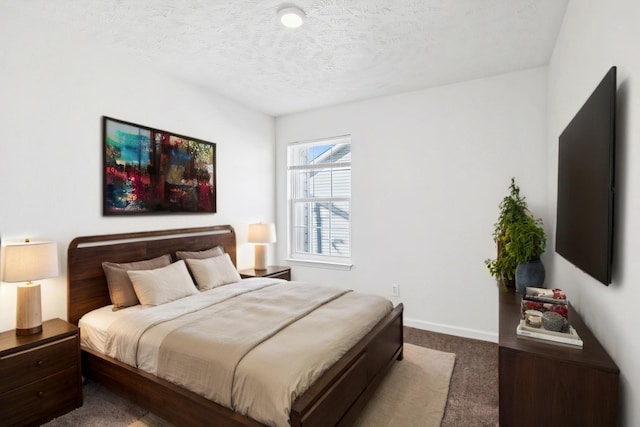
28,310
30,331
260,257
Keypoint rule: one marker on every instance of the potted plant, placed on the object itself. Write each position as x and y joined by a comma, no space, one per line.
527,242
513,209
526,239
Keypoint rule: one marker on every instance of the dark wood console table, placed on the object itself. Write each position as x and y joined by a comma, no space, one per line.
545,384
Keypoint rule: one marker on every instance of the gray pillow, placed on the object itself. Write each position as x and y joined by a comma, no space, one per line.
209,253
121,289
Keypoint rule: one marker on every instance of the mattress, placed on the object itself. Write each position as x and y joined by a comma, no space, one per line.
95,324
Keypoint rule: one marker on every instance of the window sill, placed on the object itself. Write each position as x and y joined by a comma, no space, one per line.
320,264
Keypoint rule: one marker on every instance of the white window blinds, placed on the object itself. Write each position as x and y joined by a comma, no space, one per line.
320,199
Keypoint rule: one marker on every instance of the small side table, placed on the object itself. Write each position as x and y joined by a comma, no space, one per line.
274,271
40,374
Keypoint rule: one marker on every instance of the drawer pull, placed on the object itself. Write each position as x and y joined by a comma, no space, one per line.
39,363
40,395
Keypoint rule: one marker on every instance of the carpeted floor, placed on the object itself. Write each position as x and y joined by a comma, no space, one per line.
472,398
473,393
414,393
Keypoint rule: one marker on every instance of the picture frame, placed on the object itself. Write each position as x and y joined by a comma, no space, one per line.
152,171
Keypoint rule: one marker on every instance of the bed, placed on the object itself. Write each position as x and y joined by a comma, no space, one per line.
336,397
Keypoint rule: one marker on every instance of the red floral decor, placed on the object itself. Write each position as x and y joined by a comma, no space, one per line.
560,308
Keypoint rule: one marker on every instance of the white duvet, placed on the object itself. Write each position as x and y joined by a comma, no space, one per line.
253,346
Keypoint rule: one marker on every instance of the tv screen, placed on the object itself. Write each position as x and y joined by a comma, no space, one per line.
586,169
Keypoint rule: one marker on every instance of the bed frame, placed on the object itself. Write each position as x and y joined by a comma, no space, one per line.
336,398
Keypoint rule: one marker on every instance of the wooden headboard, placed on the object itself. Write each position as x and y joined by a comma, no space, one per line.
87,285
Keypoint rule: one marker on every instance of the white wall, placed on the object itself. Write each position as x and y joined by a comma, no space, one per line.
54,87
429,169
596,35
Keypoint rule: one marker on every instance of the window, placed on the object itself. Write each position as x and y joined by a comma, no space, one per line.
320,200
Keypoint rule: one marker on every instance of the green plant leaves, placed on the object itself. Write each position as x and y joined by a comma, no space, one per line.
519,237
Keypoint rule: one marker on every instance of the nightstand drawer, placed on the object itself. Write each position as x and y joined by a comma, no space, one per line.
31,365
52,395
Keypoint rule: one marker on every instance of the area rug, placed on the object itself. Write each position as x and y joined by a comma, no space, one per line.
414,393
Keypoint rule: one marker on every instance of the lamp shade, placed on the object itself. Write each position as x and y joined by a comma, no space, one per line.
23,263
262,233
29,261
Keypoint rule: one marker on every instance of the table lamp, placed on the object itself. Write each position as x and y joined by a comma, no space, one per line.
261,234
25,262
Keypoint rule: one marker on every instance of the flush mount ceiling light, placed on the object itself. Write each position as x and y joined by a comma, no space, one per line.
291,17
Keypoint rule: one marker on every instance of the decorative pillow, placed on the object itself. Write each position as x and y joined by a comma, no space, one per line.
213,272
120,287
162,285
209,253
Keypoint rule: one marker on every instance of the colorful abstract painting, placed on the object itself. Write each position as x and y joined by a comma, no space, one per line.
148,170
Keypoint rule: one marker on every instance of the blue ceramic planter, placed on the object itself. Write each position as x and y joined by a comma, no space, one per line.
529,274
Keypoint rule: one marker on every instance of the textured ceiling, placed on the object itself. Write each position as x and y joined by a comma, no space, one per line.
347,50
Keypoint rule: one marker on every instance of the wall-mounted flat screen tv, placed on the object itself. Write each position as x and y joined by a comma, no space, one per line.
586,184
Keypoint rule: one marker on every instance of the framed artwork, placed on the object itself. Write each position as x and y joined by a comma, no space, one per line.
151,171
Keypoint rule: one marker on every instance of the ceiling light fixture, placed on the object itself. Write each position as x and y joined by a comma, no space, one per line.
291,17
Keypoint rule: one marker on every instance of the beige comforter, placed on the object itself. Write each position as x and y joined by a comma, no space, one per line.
253,346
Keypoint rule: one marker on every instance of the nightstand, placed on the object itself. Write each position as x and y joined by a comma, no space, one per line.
40,374
274,271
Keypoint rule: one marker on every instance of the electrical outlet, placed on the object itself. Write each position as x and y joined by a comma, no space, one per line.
395,289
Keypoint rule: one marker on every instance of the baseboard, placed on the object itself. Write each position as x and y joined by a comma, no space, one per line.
452,330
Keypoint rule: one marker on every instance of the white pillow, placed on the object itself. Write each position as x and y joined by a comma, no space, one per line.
162,285
213,272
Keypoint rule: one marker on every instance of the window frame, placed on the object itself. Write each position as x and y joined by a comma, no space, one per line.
321,260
